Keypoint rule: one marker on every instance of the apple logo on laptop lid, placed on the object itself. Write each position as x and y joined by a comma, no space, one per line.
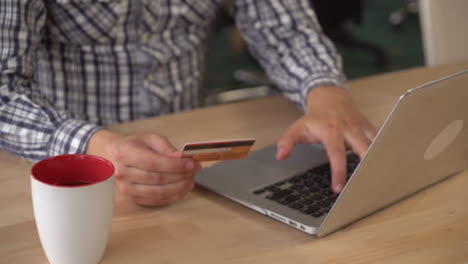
444,139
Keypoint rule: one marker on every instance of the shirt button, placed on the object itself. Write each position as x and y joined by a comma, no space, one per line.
144,37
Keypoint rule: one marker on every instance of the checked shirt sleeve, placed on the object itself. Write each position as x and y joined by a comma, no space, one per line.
29,126
286,38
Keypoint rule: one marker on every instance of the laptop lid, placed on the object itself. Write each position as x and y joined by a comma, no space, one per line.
424,140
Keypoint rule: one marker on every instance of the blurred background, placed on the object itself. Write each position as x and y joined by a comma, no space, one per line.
373,36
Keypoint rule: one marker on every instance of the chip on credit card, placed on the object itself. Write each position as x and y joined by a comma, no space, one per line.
218,150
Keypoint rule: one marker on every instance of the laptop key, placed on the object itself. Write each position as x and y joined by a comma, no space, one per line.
295,205
311,209
259,191
279,195
327,192
289,199
316,197
298,187
317,214
324,185
304,193
307,202
313,189
280,183
295,180
273,189
324,204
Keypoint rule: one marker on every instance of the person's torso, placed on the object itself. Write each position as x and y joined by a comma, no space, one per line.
116,60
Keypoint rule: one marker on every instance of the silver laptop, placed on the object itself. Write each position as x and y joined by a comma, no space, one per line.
423,141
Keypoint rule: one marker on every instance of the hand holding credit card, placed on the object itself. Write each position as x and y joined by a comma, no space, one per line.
217,150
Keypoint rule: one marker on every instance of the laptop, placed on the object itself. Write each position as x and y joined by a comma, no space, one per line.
423,141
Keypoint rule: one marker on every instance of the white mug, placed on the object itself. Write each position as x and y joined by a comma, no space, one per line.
73,197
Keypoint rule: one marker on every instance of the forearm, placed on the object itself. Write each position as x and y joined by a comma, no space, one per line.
29,126
290,45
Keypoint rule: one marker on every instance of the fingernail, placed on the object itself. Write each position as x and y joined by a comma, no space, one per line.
338,188
189,165
279,153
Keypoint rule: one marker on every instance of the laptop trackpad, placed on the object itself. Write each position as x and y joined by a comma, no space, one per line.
238,176
303,157
259,169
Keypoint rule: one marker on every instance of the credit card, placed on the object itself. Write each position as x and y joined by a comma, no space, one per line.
218,150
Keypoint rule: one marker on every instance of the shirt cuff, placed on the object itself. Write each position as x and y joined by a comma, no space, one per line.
322,80
71,137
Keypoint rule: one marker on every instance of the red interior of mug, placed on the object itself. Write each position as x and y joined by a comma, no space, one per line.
72,170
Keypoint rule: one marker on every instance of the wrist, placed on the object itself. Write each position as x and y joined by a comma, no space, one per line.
322,96
100,143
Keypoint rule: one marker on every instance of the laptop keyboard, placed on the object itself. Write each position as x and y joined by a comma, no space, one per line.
309,192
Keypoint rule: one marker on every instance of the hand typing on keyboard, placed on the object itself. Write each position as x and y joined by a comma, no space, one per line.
307,192
333,119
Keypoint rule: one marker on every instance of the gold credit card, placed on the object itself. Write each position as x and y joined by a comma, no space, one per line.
217,150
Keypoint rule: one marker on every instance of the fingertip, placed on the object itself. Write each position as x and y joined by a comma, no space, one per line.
338,188
278,155
283,150
286,143
359,152
281,154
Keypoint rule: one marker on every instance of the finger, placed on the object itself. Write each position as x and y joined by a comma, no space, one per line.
369,129
371,132
284,148
335,147
138,176
176,154
137,156
159,194
286,142
159,144
358,141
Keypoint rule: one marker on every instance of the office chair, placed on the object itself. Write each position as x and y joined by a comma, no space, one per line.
399,16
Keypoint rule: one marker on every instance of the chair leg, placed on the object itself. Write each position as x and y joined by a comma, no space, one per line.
399,16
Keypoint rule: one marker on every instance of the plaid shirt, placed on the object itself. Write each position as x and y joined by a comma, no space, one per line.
70,66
